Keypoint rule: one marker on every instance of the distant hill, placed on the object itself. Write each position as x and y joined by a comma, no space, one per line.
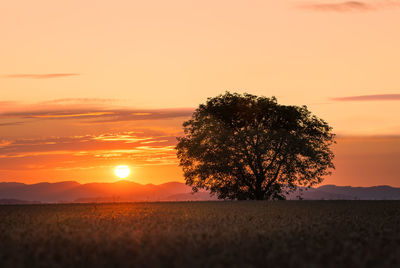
121,191
126,191
17,202
333,192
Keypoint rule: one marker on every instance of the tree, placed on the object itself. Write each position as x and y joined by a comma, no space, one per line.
249,147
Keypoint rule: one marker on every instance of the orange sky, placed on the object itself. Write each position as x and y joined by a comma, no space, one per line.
87,85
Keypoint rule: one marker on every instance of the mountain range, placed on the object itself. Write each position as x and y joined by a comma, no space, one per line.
127,191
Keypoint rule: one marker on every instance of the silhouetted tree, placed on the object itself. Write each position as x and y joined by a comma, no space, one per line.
249,147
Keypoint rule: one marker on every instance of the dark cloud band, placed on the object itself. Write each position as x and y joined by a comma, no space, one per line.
379,97
350,6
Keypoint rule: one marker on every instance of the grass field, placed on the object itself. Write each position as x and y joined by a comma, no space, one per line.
202,234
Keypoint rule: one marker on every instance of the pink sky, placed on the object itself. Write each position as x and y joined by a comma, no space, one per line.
88,85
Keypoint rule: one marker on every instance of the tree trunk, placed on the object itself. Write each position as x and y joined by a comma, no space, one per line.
259,194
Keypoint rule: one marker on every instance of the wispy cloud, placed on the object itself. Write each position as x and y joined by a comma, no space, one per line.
89,110
11,123
151,114
142,148
379,97
103,115
40,76
86,143
349,6
339,7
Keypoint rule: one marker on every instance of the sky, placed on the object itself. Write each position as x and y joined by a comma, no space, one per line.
89,85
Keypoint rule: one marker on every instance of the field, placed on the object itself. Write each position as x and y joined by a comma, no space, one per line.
202,234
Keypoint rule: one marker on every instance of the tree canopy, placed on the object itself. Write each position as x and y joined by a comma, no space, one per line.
250,147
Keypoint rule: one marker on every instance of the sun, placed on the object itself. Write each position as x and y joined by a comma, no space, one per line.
122,171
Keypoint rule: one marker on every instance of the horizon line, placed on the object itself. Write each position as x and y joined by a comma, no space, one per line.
118,181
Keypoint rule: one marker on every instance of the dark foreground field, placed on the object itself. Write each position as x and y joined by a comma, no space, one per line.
203,234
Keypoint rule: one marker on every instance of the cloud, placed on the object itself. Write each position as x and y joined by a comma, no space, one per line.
89,110
142,148
11,123
151,114
338,7
350,6
379,97
66,104
40,76
106,141
102,115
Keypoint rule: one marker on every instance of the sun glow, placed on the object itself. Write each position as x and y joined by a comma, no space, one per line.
122,171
